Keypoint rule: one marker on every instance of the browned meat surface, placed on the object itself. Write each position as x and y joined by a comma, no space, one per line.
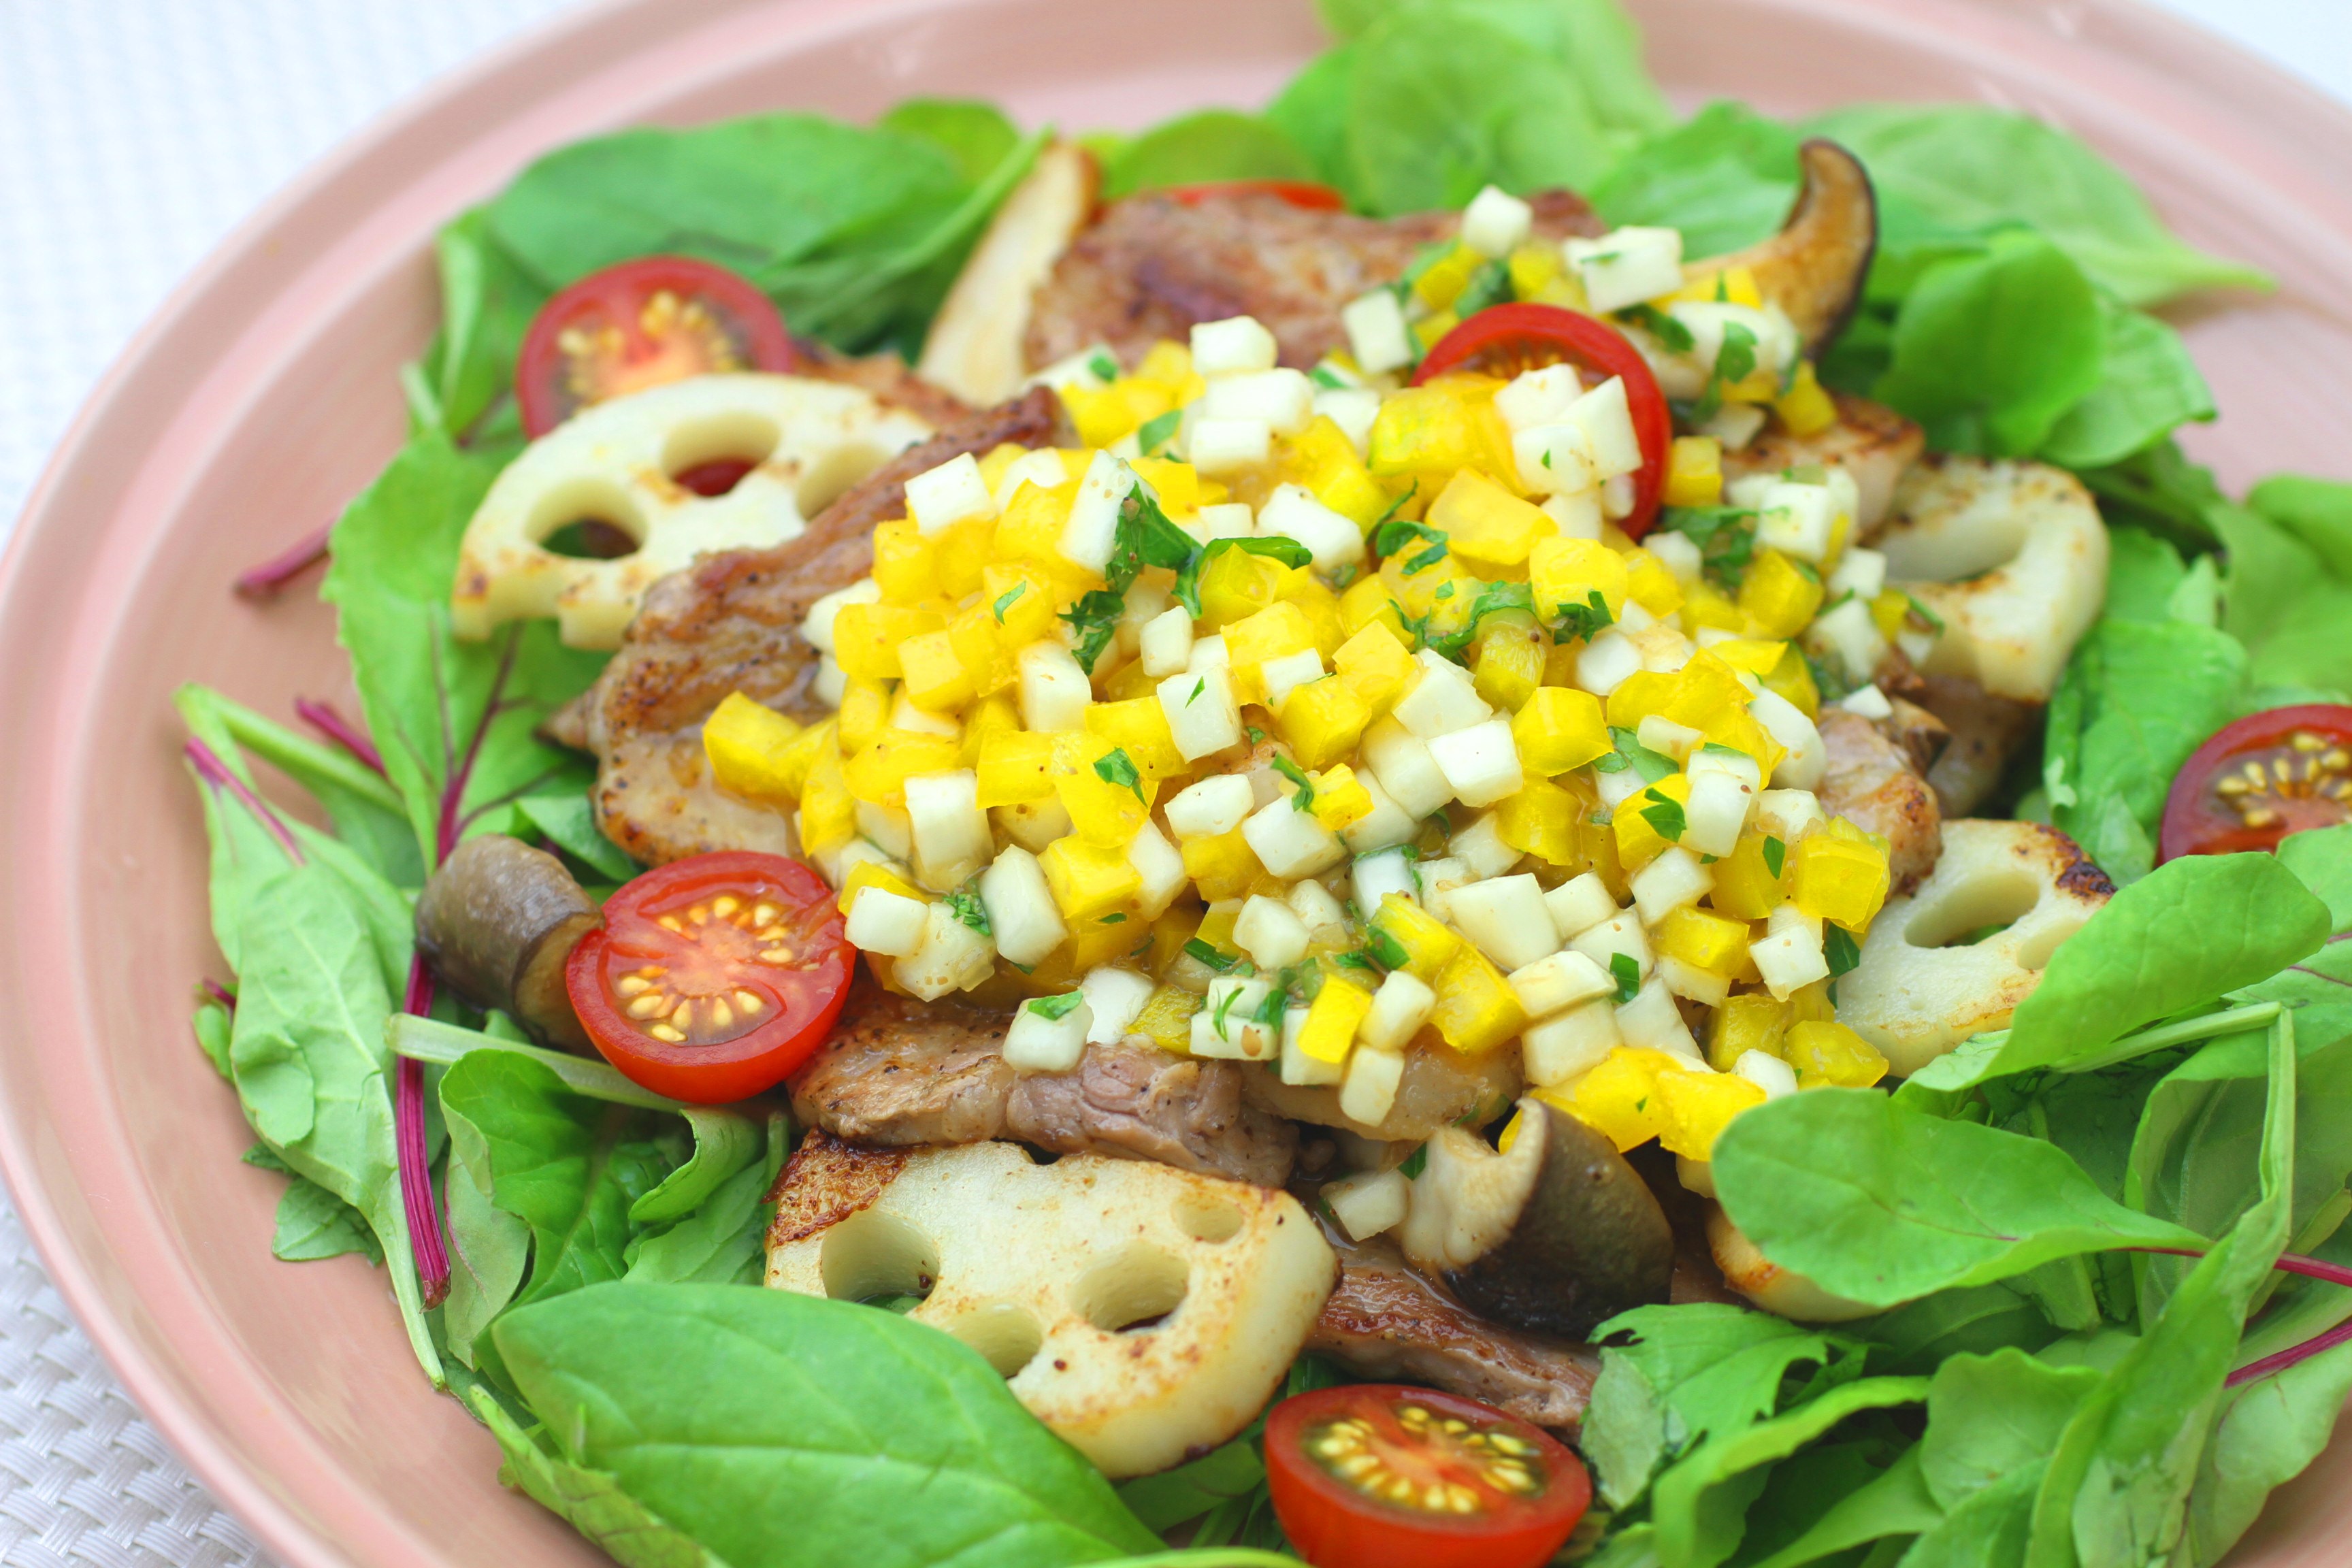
1137,1100
1383,1322
1871,784
1918,734
1986,731
887,377
825,1182
900,1072
1152,268
730,623
1870,441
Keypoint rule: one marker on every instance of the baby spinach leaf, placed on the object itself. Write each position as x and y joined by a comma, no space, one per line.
1918,1336
1688,1371
975,135
1700,1506
590,1501
489,1248
487,302
1914,1204
2148,387
2280,598
775,1429
569,820
1989,350
1979,168
725,1239
313,1223
439,707
1896,1503
1726,177
2267,1433
2322,860
2190,931
724,1142
1991,1414
1212,145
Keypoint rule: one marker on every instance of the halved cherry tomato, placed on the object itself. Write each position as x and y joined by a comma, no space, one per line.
1303,193
1379,1476
1503,340
2260,779
713,977
643,323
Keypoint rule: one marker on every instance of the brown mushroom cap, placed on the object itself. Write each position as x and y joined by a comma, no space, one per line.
496,921
1815,267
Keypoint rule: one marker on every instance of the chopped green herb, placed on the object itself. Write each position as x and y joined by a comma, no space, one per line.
1095,617
1776,855
1269,1011
1198,687
1202,952
1358,959
1154,433
1224,1005
1324,377
1256,736
1652,766
1581,623
1661,326
1304,799
1390,538
1627,973
1113,919
1005,601
1289,551
1387,949
1415,1162
1839,948
965,905
1726,536
1664,815
1057,1007
1934,621
1105,368
1116,767
1445,591
1144,537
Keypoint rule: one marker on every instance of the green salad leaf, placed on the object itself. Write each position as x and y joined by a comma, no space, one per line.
1726,177
1213,145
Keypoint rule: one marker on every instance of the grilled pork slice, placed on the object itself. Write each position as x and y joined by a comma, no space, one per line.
1384,1321
731,623
1872,784
1152,267
900,1072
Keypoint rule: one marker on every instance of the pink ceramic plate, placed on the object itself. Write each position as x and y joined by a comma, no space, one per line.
266,395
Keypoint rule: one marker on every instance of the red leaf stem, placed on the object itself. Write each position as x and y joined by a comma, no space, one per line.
213,771
416,1171
2279,1361
264,581
323,718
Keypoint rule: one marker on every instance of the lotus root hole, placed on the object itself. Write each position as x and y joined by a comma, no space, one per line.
1005,1333
1212,1220
1974,910
587,518
1134,1288
875,1255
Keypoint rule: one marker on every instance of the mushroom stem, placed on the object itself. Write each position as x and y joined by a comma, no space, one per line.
1815,267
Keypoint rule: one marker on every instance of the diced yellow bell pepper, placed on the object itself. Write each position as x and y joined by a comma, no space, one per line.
1649,584
1619,1099
878,774
1138,726
1367,603
1832,1054
1695,472
1302,590
1641,694
989,716
1806,408
981,648
1512,653
1278,629
1888,610
1560,664
962,554
1840,877
1329,1032
1430,329
1705,605
793,764
1178,484
1087,880
935,677
1103,810
1015,766
1742,731
1729,285
867,874
1426,942
903,565
828,816
1707,692
1752,655
1031,527
1476,1009
1166,362
1541,819
1431,430
1776,596
1019,600
1703,940
1569,572
1746,887
1236,585
1532,267
1639,839
1130,681
1698,1106
867,638
1559,729
1322,458
1748,1021
1485,523
1222,866
1374,662
1169,932
1340,799
1167,1019
1792,678
747,743
1103,415
1322,721
865,713
1443,280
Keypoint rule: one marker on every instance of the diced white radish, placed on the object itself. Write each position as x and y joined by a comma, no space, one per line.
1284,399
1227,1028
1861,572
950,831
1384,825
1375,876
1652,1022
950,957
1033,824
1298,1068
1290,843
1441,700
1208,653
1789,958
1847,632
885,923
1371,1087
1702,985
905,715
1480,847
1352,409
1676,553
1579,904
1795,518
1035,1043
1607,421
831,683
1716,815
1400,1007
1045,469
1166,644
1557,982
1377,334
1767,1072
1202,717
1216,805
1608,662
1287,672
1735,425
816,630
1620,933
1293,512
1405,769
1160,865
1713,759
1481,763
865,852
1370,1203
1325,917
1675,877
1021,914
1563,1049
1710,324
1222,447
937,499
1617,497
1788,814
1665,737
1539,396
1506,917
1092,530
1270,931
1555,459
1577,516
1785,722
1439,877
887,827
1496,222
1227,520
1054,691
1869,702
1627,266
1234,346
1114,996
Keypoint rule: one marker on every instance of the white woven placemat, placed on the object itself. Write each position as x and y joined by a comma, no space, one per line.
133,134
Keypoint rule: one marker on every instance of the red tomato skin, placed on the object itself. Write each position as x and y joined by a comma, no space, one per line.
1332,1525
1597,343
1304,194
2189,826
808,1000
621,289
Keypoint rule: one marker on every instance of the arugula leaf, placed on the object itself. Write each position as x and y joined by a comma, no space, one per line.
1915,1202
2321,860
775,1428
1207,147
1991,1414
2161,491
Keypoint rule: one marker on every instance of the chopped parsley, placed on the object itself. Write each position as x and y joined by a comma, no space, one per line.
1144,537
1057,1007
1490,285
1390,953
1116,918
1198,687
1627,973
1839,948
1776,855
1415,1162
1104,367
1289,551
1154,433
1664,815
1095,617
1582,622
1269,1011
1005,602
1358,959
1256,736
1116,767
1305,799
965,905
1324,377
1660,325
1725,537
1202,952
1631,753
1390,536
